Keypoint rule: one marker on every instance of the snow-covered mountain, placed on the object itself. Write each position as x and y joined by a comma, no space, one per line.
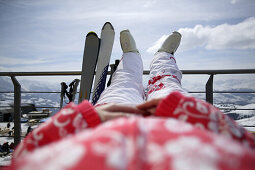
6,84
237,112
39,99
230,103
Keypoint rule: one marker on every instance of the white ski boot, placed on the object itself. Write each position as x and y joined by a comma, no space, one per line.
171,44
127,42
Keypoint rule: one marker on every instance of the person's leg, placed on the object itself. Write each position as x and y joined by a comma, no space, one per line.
126,86
165,75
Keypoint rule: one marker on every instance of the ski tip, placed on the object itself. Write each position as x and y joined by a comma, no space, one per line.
109,25
92,33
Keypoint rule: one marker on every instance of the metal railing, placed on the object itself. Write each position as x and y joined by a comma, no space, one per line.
17,88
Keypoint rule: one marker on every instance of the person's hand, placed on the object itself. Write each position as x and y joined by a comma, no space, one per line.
149,106
111,111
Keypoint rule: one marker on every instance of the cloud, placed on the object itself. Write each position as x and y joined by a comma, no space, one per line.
225,36
234,1
51,11
150,3
15,61
3,69
157,44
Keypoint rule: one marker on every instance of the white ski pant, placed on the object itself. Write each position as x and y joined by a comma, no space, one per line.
127,83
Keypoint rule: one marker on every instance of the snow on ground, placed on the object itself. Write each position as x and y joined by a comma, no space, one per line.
248,106
4,103
246,117
248,122
6,160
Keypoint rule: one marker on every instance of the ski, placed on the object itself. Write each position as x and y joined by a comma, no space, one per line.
104,55
92,44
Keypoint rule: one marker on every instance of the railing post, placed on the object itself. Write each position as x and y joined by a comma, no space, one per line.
62,94
16,115
209,89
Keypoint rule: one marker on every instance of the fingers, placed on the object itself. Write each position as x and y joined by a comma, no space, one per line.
125,109
149,104
111,111
152,110
115,115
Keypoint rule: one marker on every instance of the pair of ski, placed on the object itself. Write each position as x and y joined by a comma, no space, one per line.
96,56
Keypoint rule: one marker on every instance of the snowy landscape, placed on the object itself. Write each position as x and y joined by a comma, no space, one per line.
229,103
5,160
48,35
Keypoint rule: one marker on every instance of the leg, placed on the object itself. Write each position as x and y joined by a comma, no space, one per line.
165,75
126,86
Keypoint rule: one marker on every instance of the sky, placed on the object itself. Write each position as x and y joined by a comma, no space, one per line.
49,35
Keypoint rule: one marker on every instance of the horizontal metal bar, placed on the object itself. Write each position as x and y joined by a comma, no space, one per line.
234,92
40,92
210,72
218,108
145,72
10,136
223,91
234,109
221,108
36,106
53,73
79,92
32,92
196,91
46,107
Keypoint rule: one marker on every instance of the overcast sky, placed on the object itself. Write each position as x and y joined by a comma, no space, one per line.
48,35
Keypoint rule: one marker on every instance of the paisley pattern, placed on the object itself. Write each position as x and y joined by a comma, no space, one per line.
190,134
57,158
204,116
66,122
